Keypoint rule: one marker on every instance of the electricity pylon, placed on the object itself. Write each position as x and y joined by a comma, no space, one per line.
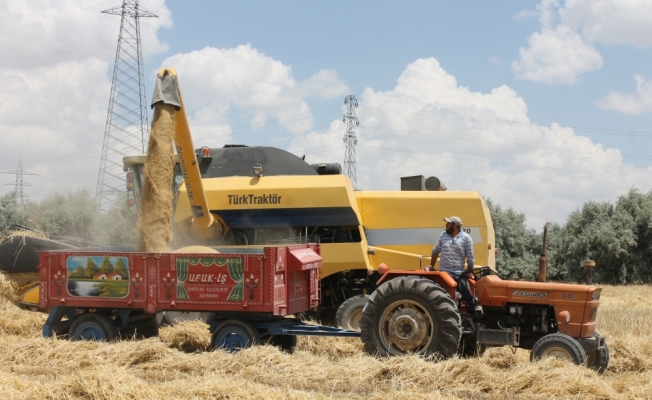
127,128
18,186
351,122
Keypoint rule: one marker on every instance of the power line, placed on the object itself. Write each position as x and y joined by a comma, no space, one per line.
475,160
501,143
514,123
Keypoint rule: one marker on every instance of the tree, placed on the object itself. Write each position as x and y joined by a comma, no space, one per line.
91,268
518,246
118,227
638,265
70,214
120,268
599,231
106,267
9,211
78,273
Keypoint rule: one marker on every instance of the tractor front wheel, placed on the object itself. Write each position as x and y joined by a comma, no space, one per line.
559,346
410,315
598,359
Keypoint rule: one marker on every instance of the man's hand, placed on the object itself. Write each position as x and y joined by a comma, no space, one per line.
429,268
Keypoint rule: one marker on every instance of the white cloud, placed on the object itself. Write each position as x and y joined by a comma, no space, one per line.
217,79
630,103
54,86
564,49
611,21
36,33
556,55
428,124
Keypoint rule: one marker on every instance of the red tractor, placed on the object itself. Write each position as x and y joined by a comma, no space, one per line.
420,312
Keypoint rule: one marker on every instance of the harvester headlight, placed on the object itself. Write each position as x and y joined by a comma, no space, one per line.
258,170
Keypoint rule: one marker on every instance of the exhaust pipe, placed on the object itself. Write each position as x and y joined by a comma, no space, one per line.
543,260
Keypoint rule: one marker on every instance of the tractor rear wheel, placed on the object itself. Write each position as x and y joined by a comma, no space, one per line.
93,326
349,314
410,315
598,359
559,346
234,335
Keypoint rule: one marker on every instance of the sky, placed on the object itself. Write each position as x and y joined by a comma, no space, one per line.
537,105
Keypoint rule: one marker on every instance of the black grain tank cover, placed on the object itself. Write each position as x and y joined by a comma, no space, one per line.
240,161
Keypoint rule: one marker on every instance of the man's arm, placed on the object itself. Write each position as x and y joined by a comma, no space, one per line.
435,253
470,258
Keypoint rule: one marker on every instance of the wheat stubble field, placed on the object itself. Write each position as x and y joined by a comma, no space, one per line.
176,365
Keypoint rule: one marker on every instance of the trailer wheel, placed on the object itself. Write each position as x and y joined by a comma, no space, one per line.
410,315
598,359
559,346
233,335
286,343
93,326
349,314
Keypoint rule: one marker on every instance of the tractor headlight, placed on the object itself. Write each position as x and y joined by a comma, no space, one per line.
596,296
564,316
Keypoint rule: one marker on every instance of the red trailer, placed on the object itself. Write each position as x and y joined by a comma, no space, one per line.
105,295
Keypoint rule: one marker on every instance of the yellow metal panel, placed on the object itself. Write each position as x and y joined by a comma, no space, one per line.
340,257
274,192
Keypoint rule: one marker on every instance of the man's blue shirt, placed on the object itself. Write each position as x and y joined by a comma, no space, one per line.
453,251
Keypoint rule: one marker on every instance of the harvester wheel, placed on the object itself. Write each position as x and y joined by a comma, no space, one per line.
287,343
559,346
349,314
93,326
598,359
410,315
233,335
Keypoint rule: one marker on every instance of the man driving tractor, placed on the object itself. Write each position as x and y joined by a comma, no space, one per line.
454,245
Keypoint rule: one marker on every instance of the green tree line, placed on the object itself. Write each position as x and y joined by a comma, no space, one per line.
72,214
617,236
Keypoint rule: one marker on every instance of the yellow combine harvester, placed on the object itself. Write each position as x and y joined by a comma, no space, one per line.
264,195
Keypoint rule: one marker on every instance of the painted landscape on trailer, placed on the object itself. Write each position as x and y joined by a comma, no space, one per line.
98,276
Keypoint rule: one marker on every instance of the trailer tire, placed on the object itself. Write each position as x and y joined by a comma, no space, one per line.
410,315
560,346
598,360
93,326
234,335
350,312
286,343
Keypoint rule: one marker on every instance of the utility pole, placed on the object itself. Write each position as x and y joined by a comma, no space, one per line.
351,122
18,186
127,128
